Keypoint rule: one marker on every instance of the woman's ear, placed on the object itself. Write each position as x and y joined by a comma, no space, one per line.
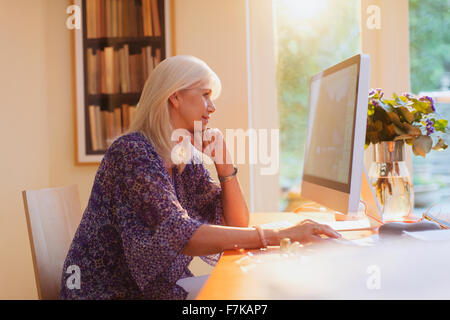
175,100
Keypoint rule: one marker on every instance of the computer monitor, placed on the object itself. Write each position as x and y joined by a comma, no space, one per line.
334,155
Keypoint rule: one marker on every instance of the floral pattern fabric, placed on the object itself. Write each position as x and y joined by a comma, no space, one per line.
138,220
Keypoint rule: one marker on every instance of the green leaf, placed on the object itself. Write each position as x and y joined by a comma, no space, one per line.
398,100
385,106
422,106
399,131
422,145
404,99
441,125
414,131
418,116
381,114
378,125
395,118
371,110
390,130
389,102
440,145
406,114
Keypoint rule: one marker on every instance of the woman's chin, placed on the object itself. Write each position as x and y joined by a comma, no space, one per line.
204,124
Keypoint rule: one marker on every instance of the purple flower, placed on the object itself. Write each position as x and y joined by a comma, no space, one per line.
408,95
380,92
429,127
371,92
430,100
375,103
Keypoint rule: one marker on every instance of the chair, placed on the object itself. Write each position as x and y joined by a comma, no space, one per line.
52,217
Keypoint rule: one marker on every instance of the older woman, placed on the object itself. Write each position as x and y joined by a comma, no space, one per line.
149,214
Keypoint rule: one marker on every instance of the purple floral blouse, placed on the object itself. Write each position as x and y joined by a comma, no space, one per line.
138,220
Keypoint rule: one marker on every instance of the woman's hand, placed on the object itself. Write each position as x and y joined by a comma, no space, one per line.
308,231
212,143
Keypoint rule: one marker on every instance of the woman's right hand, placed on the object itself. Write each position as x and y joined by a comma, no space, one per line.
308,231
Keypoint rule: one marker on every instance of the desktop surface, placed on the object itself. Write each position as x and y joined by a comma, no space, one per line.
382,270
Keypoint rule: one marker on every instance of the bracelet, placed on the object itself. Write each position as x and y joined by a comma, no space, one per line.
261,236
227,178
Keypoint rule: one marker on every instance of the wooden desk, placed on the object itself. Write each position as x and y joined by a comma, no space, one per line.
227,277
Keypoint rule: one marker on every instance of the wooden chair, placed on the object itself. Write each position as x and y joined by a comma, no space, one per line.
52,217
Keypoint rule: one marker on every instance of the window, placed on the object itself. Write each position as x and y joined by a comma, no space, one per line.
430,75
311,36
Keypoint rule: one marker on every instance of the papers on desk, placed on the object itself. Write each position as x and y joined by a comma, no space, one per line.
429,235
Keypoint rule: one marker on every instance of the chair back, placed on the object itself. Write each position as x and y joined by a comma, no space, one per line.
52,217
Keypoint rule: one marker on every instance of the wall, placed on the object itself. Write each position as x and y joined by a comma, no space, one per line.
37,126
388,46
23,132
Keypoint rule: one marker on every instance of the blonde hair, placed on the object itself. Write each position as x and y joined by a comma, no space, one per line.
152,117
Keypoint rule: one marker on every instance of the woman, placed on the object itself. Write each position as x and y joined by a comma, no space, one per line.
148,215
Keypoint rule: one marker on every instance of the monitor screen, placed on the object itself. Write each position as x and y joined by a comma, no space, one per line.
333,97
334,157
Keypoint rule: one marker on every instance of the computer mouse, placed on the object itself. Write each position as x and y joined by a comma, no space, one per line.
390,229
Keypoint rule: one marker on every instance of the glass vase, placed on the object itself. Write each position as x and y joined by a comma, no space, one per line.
391,181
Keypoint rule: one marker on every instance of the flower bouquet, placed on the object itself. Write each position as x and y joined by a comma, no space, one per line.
406,117
392,123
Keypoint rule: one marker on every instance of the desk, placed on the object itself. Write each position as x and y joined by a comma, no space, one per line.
227,277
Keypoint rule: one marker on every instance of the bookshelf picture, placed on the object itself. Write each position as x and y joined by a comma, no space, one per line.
119,44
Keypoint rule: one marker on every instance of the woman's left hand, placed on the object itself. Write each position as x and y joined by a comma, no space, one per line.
212,143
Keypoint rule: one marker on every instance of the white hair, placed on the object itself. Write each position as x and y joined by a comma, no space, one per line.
152,117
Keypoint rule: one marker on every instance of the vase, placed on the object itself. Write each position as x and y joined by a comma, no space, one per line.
391,181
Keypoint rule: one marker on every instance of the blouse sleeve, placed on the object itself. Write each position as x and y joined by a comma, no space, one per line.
153,225
209,204
209,197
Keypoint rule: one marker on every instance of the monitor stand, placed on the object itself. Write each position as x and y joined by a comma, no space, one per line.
373,208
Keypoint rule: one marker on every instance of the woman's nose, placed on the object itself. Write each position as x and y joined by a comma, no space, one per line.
211,107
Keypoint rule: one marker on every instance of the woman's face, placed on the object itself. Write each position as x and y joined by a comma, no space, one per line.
190,105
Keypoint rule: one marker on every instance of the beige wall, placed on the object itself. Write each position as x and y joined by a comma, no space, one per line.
388,46
24,132
36,126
